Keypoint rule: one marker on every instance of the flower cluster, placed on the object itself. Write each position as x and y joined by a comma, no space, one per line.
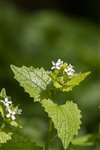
57,65
11,111
68,69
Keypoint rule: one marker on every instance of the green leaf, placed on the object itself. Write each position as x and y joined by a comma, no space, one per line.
2,111
66,85
66,119
86,140
4,137
15,124
3,93
21,142
34,81
75,80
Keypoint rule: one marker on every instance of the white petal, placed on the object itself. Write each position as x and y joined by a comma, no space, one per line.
8,115
6,99
58,67
60,61
9,110
6,104
2,101
53,63
13,112
10,102
52,67
13,117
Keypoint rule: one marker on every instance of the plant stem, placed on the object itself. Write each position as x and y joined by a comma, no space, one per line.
49,135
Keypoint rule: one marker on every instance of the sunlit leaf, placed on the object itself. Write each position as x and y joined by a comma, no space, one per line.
4,137
3,93
66,84
34,81
66,119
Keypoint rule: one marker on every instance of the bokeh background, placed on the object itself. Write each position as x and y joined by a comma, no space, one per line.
34,32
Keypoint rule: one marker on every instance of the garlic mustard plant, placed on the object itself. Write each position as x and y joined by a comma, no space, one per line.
47,87
44,87
10,110
8,115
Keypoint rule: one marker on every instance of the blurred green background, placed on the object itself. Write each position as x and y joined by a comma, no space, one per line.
36,38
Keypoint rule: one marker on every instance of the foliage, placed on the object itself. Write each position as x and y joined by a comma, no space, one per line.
7,117
33,80
4,137
20,141
37,38
66,117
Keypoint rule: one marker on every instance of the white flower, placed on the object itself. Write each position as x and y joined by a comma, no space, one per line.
69,70
57,65
18,111
11,111
6,102
11,114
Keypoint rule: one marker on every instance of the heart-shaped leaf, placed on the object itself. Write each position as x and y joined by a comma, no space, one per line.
34,81
66,119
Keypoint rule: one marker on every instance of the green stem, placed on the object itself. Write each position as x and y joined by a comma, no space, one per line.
46,147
